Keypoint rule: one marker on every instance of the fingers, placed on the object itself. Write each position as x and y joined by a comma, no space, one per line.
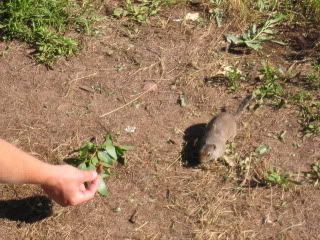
88,176
93,186
88,194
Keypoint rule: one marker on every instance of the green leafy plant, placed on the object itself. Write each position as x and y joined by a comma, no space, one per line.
234,78
270,87
140,11
256,36
43,24
274,177
103,157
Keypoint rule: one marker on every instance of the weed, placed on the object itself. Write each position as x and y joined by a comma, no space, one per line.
43,24
274,177
101,158
301,97
310,117
141,11
270,87
256,36
314,174
314,81
216,11
234,78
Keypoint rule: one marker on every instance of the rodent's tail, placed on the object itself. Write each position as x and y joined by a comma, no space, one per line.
244,104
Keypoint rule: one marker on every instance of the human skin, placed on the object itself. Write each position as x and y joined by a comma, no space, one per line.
62,183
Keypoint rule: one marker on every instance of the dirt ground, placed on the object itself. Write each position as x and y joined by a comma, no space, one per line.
157,195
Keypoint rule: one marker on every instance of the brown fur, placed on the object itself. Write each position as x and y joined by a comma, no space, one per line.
220,130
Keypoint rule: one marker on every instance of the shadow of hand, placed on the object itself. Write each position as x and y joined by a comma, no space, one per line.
28,210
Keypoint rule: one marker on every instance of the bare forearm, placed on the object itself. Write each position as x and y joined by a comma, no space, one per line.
17,166
63,183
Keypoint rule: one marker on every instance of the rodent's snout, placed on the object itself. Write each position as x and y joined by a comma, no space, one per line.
207,153
203,157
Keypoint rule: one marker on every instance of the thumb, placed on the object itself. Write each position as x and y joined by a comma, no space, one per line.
89,176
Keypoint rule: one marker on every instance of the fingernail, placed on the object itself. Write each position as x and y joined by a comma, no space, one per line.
94,174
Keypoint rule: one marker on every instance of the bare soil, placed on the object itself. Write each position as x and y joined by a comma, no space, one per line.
159,195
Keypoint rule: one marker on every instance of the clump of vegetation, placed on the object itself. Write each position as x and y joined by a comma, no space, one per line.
301,97
216,11
234,78
308,9
313,78
140,11
255,36
44,23
314,174
311,117
274,177
103,158
270,87
265,5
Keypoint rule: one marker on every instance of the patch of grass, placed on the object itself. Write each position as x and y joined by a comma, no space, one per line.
308,9
234,78
140,11
270,88
44,23
102,158
251,170
301,97
314,81
219,10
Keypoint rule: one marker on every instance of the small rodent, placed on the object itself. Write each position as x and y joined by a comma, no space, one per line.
221,129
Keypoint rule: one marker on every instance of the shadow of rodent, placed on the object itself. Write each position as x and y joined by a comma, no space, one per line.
190,151
28,210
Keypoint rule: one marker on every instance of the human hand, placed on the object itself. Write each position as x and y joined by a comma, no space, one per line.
66,185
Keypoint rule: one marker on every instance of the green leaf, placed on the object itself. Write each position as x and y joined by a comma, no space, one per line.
255,46
118,12
82,166
125,147
102,189
94,160
111,151
105,157
268,31
233,39
108,141
254,28
91,167
279,42
120,151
